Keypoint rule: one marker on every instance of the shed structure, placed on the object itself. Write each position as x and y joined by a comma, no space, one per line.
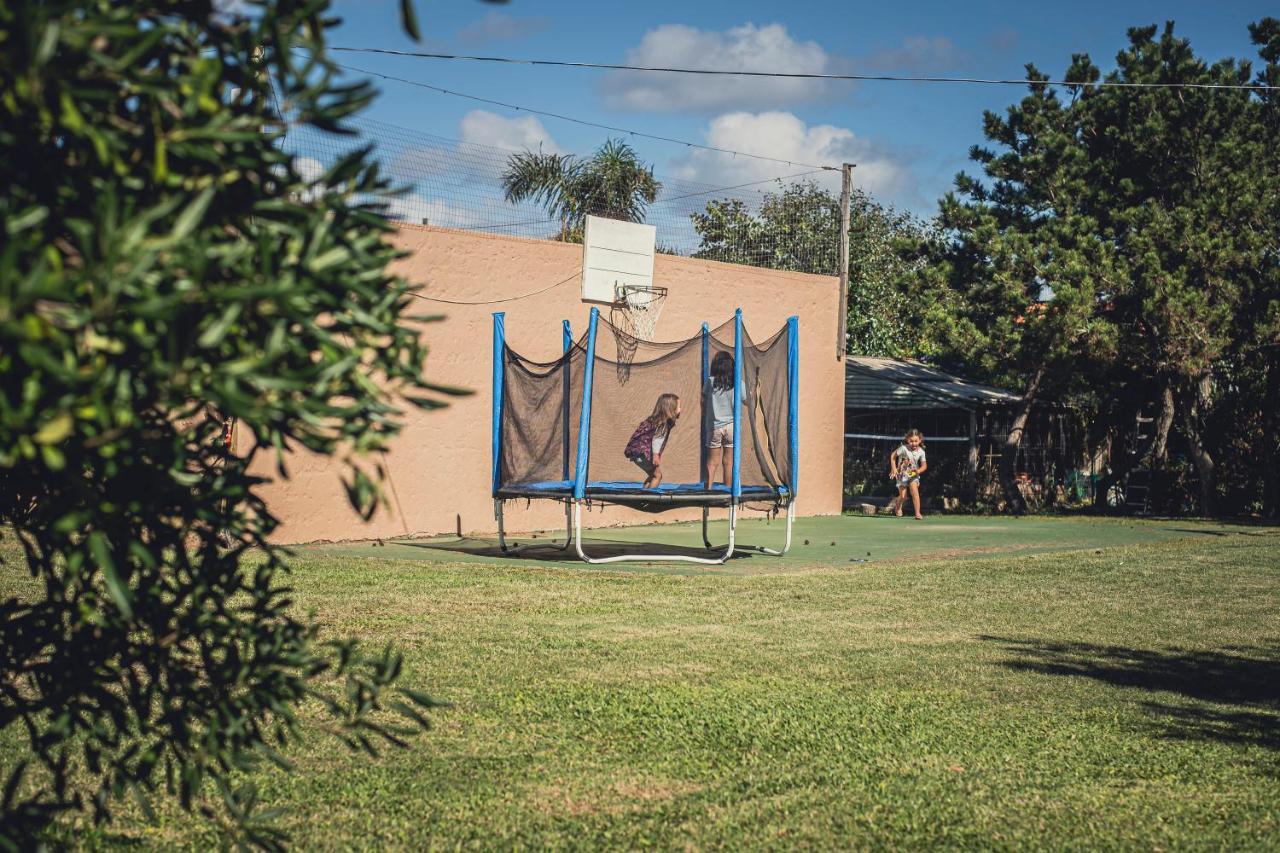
965,424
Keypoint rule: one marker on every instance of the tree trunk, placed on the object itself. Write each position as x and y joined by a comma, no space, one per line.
971,464
1197,400
1009,455
1271,435
1160,449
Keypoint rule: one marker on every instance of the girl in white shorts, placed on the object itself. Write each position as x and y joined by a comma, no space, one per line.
719,406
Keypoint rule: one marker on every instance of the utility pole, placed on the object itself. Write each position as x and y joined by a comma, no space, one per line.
842,330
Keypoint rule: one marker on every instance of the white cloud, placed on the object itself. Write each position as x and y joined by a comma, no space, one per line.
482,127
745,48
418,210
309,168
784,136
499,26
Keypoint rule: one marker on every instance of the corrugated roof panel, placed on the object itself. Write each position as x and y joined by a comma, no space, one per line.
873,383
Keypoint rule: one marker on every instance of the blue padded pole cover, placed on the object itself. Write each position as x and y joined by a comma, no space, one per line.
584,423
737,403
793,403
499,343
706,400
568,344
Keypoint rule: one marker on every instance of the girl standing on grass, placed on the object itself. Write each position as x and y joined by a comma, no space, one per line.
906,464
646,443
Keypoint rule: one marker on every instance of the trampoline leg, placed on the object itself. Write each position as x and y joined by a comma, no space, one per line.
712,561
733,528
510,551
791,515
706,539
502,534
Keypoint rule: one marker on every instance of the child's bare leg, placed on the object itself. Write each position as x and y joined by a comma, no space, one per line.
726,456
902,498
713,460
656,478
915,497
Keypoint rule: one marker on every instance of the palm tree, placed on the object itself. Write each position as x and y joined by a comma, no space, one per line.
612,182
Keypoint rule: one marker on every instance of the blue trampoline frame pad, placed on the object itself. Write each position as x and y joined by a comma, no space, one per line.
692,493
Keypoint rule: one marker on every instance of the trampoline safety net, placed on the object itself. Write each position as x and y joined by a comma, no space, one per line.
539,414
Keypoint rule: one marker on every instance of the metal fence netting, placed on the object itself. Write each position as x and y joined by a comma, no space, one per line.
783,222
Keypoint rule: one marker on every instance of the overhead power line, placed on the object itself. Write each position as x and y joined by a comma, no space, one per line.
802,75
584,122
570,278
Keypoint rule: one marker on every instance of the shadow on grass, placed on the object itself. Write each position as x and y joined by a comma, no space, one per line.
1247,678
1193,531
553,550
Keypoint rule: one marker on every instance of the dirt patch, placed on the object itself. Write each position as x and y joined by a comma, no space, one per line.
614,798
957,553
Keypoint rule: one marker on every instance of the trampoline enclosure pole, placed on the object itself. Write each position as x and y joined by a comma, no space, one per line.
706,402
793,404
737,404
584,422
499,343
568,345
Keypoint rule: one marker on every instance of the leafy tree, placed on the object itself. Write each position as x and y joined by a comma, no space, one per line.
798,229
166,267
1143,212
612,183
1174,174
1260,339
1009,243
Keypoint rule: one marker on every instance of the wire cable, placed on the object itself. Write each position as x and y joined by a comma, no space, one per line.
497,301
503,104
800,75
662,201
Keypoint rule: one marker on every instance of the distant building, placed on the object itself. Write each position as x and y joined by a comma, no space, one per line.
965,424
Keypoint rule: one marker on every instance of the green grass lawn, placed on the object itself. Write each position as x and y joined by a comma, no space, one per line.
981,682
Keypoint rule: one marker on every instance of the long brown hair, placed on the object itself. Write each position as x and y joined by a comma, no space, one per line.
722,371
664,414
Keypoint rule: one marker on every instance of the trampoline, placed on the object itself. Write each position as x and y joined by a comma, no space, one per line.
561,428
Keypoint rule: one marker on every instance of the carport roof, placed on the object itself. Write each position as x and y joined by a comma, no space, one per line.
890,383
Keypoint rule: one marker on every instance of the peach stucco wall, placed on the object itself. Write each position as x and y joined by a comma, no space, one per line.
439,466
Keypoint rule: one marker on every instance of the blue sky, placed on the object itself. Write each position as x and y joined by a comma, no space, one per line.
909,139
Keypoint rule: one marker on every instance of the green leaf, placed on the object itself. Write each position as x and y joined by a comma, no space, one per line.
191,215
100,550
54,459
409,20
213,335
29,218
55,430
144,802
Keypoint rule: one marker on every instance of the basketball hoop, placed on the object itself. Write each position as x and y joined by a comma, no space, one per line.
639,308
634,317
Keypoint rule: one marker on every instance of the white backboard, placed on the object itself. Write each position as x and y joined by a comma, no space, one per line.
613,253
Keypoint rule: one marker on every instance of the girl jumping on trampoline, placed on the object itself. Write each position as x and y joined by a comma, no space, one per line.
719,425
646,443
906,464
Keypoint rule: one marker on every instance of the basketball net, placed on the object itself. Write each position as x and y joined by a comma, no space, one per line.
634,317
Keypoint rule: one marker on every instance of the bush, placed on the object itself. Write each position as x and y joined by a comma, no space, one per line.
165,269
